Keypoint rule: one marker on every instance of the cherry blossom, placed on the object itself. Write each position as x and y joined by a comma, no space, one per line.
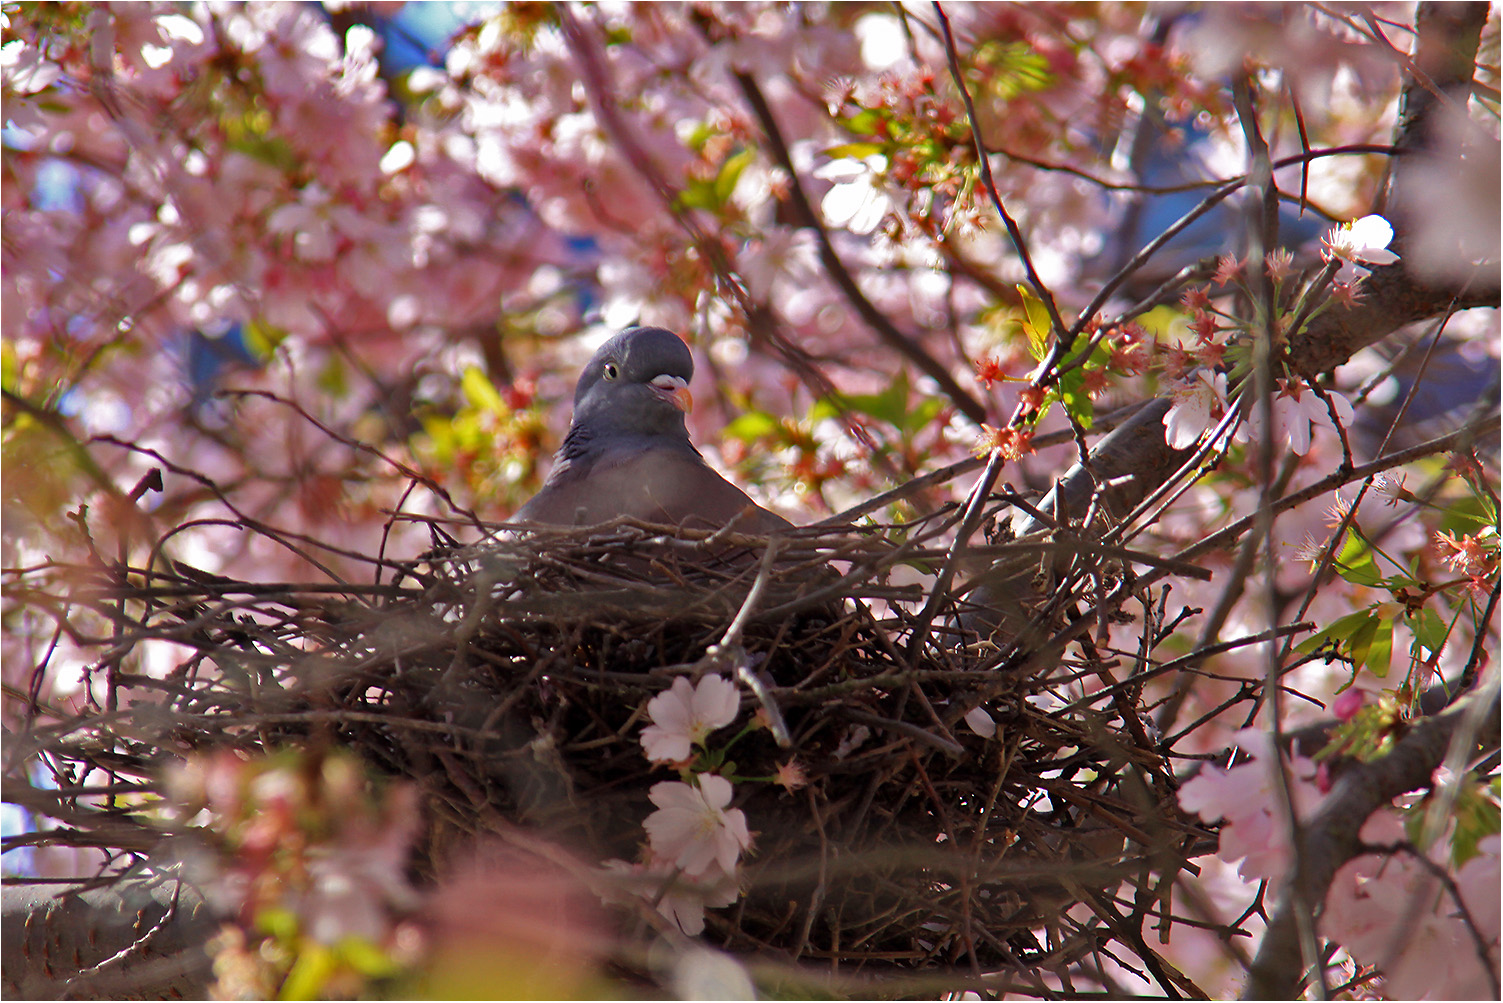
684,716
1361,242
1295,408
1246,798
692,826
678,895
1198,401
1392,911
857,202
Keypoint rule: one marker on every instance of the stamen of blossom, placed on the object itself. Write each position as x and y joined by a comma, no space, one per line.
1337,511
1128,359
791,776
1094,382
1228,268
1205,327
1211,355
1012,443
1279,263
1195,299
1312,550
1468,555
1364,239
1032,398
1346,293
1176,362
1390,487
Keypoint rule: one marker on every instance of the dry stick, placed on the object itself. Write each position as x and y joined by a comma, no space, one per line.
1103,424
940,591
732,638
1065,336
1328,556
1056,644
358,446
1260,234
1339,479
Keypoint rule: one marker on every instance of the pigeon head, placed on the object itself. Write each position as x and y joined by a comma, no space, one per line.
636,384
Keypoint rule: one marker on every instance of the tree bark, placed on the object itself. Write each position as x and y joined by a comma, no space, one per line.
131,940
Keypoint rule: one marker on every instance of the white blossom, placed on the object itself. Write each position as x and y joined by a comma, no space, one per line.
685,715
692,826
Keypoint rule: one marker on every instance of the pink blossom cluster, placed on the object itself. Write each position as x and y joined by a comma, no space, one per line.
695,839
302,854
1384,908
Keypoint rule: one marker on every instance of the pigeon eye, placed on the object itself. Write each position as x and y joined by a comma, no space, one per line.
610,372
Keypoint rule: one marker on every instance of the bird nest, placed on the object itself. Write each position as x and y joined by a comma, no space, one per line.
508,680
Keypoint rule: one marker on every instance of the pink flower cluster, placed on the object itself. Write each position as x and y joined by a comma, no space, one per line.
695,839
1388,909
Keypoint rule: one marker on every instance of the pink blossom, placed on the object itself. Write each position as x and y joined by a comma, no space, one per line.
1244,796
1295,408
1198,400
685,715
692,826
686,896
1391,911
1346,706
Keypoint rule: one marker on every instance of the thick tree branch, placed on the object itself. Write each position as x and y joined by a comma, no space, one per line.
1332,837
131,940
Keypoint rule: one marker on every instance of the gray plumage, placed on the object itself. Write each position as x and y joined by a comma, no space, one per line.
628,452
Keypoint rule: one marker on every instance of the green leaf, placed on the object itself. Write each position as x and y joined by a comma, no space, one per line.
10,367
866,122
277,923
1076,401
1036,322
310,972
441,437
262,338
1429,629
890,405
730,173
697,195
700,136
481,392
752,426
366,958
1016,68
922,415
1377,655
855,151
1340,632
1355,562
1477,817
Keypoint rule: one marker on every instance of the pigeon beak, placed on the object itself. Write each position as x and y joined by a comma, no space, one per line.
674,390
